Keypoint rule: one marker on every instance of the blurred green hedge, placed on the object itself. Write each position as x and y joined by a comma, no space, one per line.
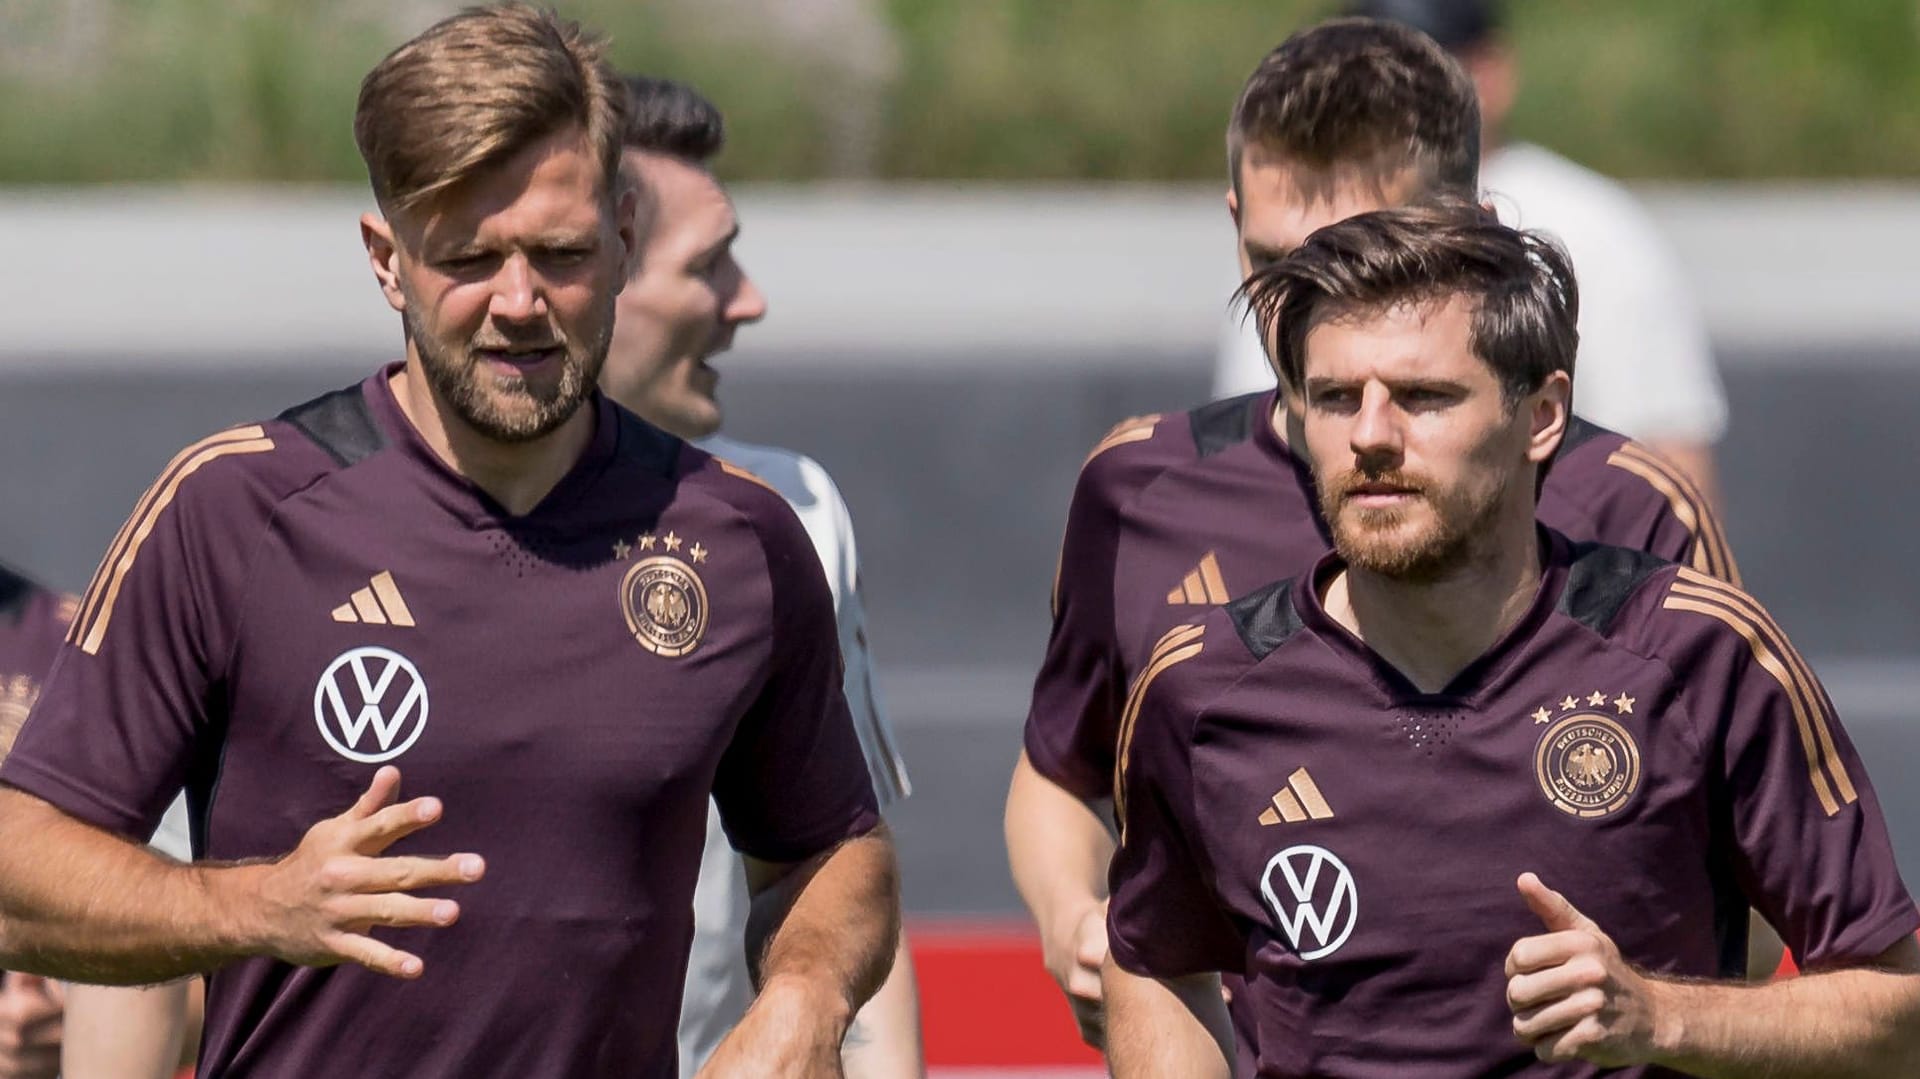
99,90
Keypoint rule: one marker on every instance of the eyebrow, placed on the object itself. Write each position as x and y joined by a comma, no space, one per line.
722,243
1263,253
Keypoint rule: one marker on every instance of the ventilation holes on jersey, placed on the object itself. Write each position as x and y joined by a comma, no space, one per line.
1427,732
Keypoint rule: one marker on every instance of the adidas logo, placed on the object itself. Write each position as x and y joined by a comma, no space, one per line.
1297,801
378,604
1203,585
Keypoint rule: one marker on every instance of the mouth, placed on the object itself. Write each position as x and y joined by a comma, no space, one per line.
520,359
1381,495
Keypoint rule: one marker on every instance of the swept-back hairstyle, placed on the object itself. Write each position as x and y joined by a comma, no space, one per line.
668,117
476,88
1525,300
1375,97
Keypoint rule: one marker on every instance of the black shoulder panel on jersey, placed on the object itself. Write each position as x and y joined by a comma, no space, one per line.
15,590
340,423
1266,618
1225,423
656,450
1600,580
1579,433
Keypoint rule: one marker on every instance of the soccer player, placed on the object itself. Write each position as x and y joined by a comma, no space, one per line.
681,307
1175,513
1468,792
1646,364
568,627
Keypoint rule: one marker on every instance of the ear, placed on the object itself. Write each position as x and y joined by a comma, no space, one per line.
627,231
383,254
1548,410
1233,208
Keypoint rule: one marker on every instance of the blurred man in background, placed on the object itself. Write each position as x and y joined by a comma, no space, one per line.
32,622
1646,369
681,307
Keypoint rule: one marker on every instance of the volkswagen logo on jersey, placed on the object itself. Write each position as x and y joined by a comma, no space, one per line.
371,704
1313,899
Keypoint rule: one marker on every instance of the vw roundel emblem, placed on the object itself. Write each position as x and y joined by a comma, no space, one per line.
371,704
1313,899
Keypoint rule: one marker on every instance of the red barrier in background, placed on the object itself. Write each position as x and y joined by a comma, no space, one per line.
987,1001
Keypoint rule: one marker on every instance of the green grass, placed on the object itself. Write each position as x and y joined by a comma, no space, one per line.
1010,90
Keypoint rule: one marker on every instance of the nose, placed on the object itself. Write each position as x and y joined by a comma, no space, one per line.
1376,437
748,303
518,294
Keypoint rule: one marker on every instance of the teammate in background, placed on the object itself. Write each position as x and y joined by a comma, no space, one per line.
1467,781
1173,513
568,623
1646,365
47,1028
681,307
32,621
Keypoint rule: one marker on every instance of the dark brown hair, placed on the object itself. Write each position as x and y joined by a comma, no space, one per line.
1362,94
476,88
668,117
1526,303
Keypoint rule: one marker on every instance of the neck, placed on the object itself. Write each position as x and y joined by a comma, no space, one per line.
1430,631
517,475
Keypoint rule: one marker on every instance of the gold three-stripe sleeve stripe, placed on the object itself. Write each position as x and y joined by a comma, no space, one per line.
1812,715
1711,554
1178,645
1138,429
89,629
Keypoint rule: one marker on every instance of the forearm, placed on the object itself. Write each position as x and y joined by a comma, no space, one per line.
1173,1028
1058,849
830,927
884,1042
81,904
124,1033
1821,1026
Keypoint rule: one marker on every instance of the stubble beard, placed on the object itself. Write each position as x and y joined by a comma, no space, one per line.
1376,540
510,408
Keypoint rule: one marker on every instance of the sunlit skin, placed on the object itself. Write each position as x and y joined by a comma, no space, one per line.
1426,474
684,301
506,284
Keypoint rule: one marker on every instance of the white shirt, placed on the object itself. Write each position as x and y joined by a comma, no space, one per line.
1645,368
718,990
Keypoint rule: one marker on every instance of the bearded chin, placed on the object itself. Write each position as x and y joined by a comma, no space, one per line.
1381,541
509,408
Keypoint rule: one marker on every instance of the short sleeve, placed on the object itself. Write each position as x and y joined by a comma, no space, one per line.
1164,919
1073,719
793,782
1809,837
135,686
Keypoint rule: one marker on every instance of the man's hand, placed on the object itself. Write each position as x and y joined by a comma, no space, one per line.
1074,955
30,1026
319,901
1573,997
788,1033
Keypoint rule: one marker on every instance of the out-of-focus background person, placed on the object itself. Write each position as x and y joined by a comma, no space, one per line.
1013,239
1646,365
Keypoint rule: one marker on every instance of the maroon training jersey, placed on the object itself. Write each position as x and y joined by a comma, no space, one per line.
1645,739
1175,514
297,602
32,621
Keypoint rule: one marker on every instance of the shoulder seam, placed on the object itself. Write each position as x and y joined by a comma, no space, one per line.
1134,429
90,623
1698,593
1711,553
1178,645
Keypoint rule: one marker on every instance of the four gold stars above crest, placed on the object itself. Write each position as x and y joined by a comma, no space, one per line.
672,542
1622,705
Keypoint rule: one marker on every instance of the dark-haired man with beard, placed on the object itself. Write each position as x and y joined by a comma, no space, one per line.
1469,798
567,626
